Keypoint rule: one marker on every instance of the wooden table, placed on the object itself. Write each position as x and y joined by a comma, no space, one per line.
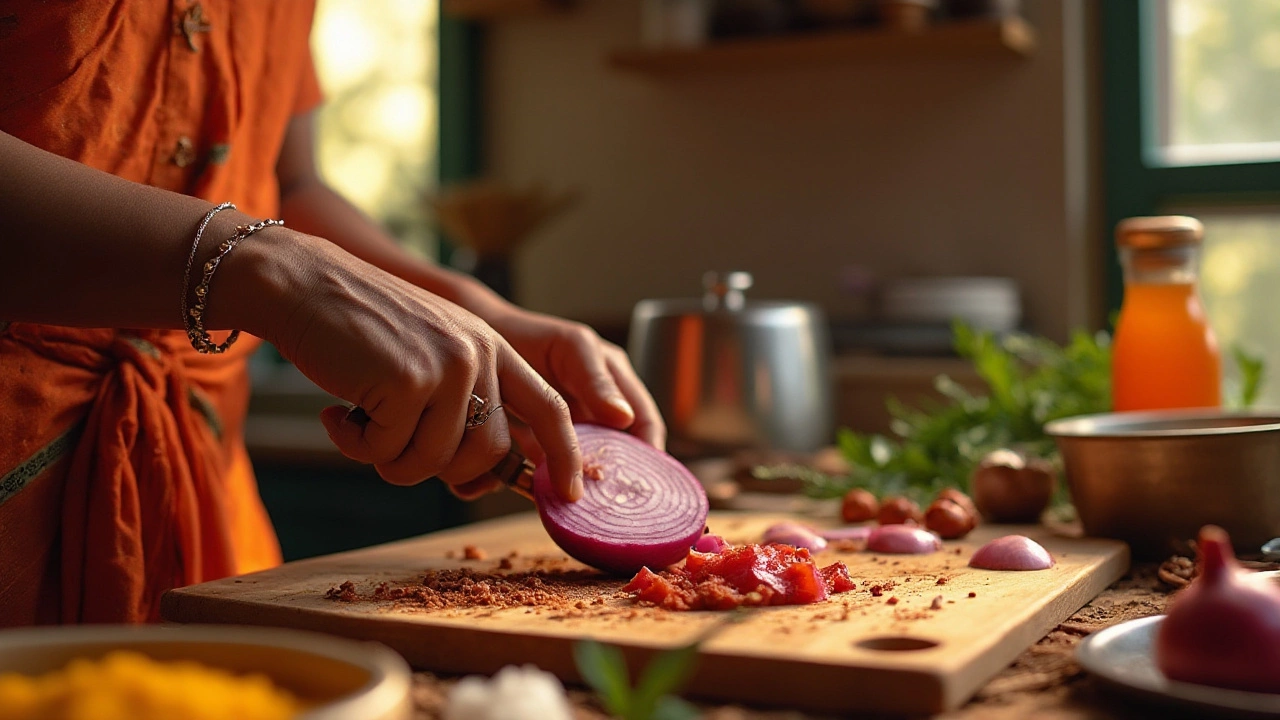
1044,681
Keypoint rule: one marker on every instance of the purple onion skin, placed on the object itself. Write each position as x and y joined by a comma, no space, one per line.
795,535
902,540
1224,630
709,543
1012,552
601,532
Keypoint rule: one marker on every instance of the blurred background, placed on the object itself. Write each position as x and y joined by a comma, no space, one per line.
846,153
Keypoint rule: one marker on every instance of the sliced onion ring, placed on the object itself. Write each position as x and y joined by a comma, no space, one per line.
639,508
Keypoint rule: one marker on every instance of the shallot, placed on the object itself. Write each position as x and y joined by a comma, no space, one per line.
859,505
1223,630
903,540
1009,487
948,518
898,510
710,544
1012,552
640,508
795,535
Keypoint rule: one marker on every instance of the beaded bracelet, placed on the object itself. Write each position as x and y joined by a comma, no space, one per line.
191,257
194,317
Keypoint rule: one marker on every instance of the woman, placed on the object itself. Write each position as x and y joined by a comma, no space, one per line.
122,468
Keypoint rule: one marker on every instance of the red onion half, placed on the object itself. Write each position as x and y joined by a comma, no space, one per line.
903,540
639,507
1012,552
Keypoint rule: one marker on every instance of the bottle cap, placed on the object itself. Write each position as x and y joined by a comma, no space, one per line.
1164,231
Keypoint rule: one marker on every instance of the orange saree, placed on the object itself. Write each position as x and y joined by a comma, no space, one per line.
122,468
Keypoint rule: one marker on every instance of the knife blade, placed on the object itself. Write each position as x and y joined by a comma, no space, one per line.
514,471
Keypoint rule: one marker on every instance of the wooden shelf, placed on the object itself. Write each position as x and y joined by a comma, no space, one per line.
1008,38
503,9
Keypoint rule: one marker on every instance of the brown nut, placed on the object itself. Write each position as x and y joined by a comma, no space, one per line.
899,510
859,506
1009,487
948,519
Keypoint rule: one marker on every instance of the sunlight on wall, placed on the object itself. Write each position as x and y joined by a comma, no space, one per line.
1241,262
376,61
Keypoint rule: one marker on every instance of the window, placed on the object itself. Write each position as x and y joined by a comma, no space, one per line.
377,132
1191,97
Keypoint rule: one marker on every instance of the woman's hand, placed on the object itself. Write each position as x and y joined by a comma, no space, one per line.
406,357
593,375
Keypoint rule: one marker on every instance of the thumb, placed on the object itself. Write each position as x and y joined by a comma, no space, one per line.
345,429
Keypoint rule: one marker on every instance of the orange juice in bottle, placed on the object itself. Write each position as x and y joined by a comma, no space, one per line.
1164,354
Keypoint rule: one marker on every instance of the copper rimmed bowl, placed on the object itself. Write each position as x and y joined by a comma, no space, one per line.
1154,478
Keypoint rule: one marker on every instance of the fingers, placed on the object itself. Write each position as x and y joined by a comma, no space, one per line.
479,487
482,447
648,425
584,373
437,436
522,437
547,415
367,439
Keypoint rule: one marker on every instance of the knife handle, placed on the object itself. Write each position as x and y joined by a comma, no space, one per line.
515,472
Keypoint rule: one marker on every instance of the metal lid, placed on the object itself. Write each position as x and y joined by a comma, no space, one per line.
724,299
1163,231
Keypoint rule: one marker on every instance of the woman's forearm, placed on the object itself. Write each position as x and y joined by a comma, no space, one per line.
81,247
317,209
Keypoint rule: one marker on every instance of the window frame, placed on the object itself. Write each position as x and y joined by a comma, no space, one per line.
1136,183
459,87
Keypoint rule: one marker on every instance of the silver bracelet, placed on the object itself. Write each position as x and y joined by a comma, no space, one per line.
194,318
191,259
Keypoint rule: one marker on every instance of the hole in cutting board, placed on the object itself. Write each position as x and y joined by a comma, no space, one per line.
896,644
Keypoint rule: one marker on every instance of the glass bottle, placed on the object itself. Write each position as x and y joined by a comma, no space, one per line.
1165,354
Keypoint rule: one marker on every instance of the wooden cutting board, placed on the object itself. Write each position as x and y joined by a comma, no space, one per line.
887,650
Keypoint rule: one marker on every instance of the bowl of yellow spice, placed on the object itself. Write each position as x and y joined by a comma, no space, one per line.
197,673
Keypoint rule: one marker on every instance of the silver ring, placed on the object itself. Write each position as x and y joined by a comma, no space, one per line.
478,411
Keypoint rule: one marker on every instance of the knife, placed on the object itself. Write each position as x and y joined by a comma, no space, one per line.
514,471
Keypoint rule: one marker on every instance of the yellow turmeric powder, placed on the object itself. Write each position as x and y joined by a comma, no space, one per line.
126,685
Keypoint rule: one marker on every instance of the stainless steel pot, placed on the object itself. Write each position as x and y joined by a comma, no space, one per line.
730,373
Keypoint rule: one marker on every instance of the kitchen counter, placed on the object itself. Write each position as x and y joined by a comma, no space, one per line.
1044,681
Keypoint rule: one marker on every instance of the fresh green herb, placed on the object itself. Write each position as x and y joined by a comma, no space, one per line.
605,669
1253,373
1030,381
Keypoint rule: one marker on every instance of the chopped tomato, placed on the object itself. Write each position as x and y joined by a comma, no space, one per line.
744,575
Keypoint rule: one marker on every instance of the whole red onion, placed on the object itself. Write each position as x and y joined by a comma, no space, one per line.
1223,630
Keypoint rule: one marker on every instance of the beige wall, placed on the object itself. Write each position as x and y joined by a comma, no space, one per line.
952,166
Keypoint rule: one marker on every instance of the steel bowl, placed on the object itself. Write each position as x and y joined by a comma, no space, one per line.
1153,479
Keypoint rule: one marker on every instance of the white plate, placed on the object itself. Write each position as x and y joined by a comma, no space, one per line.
1124,655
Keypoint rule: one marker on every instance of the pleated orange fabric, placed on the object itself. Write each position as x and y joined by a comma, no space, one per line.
122,467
